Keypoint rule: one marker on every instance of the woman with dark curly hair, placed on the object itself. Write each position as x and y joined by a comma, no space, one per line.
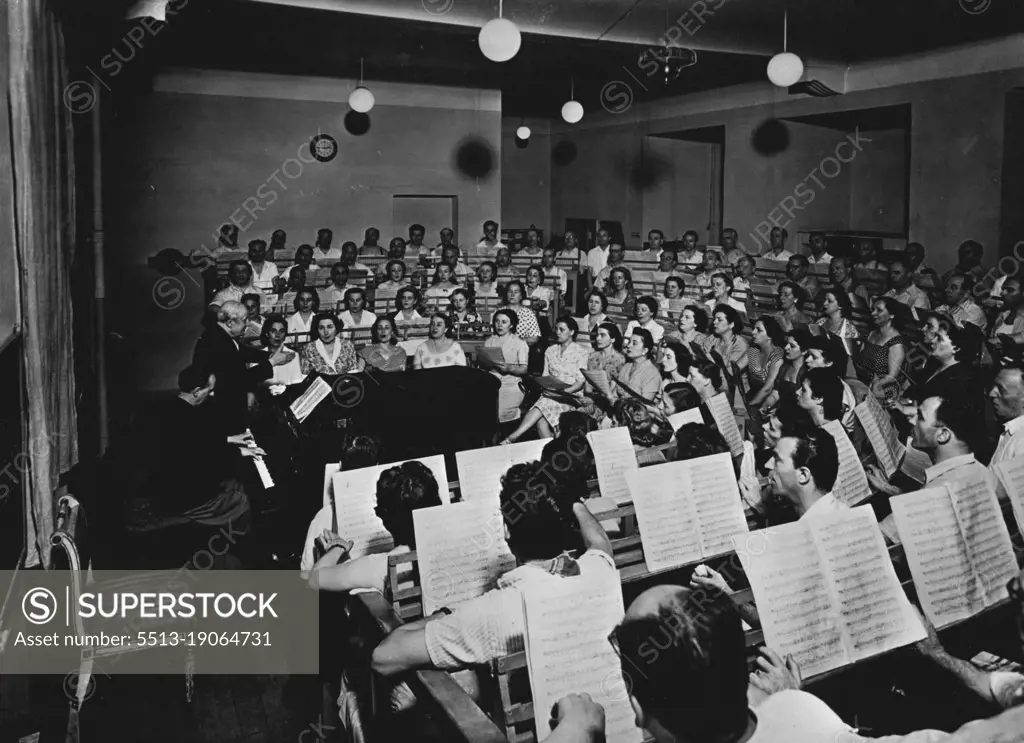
791,298
883,356
620,290
328,354
516,356
383,352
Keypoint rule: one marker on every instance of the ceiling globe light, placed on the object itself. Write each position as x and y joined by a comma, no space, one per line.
361,100
785,69
500,40
572,112
523,132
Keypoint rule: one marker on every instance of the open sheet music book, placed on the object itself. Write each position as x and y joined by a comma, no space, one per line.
567,650
680,419
725,419
481,470
488,358
599,379
881,434
355,500
687,511
615,457
305,403
826,590
461,551
957,546
1011,474
851,485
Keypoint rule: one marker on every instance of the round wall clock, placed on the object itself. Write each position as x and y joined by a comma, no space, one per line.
323,147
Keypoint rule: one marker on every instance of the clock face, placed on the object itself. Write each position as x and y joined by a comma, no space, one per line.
323,147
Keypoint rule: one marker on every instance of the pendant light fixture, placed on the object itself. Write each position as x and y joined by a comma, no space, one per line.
361,99
785,69
572,111
499,39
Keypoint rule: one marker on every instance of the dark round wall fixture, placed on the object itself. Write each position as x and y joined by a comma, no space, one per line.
771,137
323,147
357,124
564,153
170,261
474,158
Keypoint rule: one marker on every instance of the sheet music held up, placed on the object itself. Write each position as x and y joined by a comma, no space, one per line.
355,497
567,648
985,534
461,550
481,470
1011,474
851,485
614,455
826,590
599,379
305,403
687,511
915,463
881,434
721,411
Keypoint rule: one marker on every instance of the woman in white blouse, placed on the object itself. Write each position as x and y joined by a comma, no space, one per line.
597,306
516,355
439,350
355,314
406,302
275,329
443,284
540,296
486,286
721,291
306,304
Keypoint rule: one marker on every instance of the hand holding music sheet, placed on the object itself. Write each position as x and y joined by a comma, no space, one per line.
490,357
826,590
680,419
481,470
721,412
567,650
687,511
614,456
851,485
461,551
306,402
881,434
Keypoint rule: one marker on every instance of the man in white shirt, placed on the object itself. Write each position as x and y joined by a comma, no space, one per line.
263,271
803,471
959,304
303,259
371,244
616,256
1007,396
538,518
349,258
691,258
683,659
655,242
324,253
902,288
777,245
943,430
731,252
597,257
550,269
533,247
818,252
240,276
489,245
416,246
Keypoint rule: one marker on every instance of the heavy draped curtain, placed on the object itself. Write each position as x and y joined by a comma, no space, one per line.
42,152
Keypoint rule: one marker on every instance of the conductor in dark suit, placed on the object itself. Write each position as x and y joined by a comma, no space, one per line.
238,369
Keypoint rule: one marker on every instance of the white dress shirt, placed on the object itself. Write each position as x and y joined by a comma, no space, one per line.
366,320
825,258
825,505
597,259
263,279
1011,445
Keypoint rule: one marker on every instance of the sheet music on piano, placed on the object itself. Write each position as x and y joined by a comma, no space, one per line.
481,470
567,650
687,511
851,485
461,550
614,457
305,403
958,547
826,590
881,434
